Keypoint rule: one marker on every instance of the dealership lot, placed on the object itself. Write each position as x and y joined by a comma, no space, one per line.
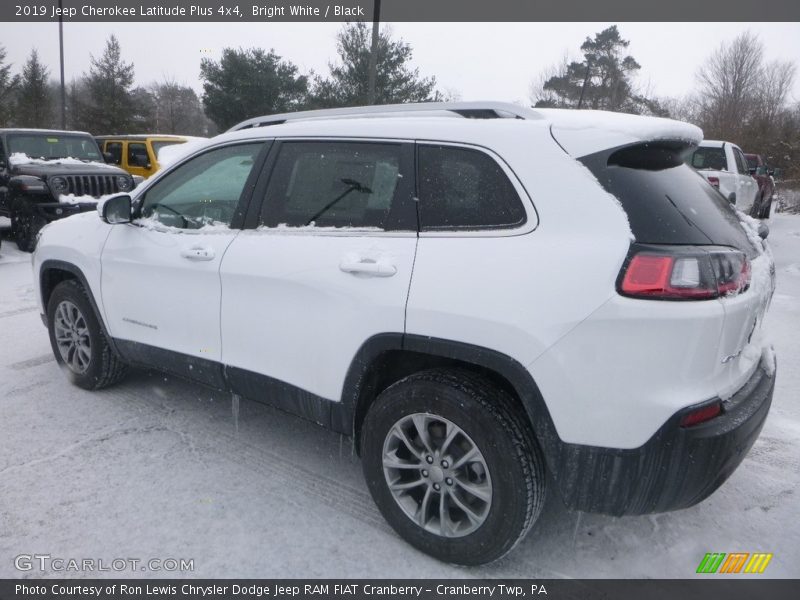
158,470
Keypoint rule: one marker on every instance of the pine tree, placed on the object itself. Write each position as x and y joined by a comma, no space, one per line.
249,83
603,80
396,80
108,106
8,85
34,106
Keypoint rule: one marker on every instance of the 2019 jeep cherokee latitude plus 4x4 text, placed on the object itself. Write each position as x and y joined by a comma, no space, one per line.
426,283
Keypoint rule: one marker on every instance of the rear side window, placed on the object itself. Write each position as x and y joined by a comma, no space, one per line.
666,201
709,158
137,155
333,184
460,188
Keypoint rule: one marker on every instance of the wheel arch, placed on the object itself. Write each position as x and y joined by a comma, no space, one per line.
387,358
52,272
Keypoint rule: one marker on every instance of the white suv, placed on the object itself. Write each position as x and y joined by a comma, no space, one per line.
488,298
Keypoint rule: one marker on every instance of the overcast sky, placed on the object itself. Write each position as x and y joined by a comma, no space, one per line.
478,60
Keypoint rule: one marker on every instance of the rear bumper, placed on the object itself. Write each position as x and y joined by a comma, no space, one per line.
676,468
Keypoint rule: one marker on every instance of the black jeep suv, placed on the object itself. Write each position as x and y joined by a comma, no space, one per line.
47,175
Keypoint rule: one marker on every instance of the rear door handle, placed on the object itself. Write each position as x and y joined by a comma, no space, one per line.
198,253
369,267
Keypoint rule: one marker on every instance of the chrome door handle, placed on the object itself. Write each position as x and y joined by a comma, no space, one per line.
367,267
198,253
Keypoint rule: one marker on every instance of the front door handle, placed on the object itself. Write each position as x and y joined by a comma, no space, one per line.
365,266
198,253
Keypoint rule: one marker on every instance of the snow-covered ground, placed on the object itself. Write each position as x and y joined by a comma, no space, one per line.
155,468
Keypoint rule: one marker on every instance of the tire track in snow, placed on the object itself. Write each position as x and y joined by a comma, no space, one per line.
320,488
18,311
32,362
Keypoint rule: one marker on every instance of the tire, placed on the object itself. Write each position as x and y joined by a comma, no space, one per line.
28,227
506,475
766,209
92,364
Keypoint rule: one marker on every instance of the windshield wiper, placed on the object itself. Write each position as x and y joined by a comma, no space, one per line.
353,186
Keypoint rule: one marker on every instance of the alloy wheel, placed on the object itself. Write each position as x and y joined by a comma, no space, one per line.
437,475
72,337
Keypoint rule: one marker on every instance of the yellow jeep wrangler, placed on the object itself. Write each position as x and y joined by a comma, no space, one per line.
137,154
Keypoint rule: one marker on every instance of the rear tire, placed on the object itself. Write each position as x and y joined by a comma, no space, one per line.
78,341
468,501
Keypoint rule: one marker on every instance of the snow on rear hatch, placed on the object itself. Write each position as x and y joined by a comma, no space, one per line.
583,132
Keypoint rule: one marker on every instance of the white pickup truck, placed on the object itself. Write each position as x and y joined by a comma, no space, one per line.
724,166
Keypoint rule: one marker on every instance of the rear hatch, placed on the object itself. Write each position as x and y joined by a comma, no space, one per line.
673,211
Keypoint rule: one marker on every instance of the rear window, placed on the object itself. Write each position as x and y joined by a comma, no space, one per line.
666,201
461,188
709,158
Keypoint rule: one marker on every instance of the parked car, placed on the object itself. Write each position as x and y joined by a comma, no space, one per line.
47,175
766,184
137,154
485,304
724,166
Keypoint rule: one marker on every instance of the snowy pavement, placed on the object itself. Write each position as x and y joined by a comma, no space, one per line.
155,468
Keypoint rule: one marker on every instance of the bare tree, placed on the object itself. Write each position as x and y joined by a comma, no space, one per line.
728,85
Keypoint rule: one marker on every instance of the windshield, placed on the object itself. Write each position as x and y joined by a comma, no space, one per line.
54,146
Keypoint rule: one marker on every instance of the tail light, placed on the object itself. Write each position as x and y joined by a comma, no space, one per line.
684,273
714,181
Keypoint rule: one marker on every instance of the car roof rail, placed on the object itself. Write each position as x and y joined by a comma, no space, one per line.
469,110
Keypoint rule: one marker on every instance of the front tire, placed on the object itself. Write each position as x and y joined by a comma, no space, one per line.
28,226
453,465
78,341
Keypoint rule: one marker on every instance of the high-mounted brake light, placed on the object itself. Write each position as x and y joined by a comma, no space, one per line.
701,415
685,274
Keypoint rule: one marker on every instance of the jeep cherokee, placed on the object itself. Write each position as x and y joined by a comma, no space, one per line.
490,299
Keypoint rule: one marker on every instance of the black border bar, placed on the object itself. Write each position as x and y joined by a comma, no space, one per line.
402,10
708,587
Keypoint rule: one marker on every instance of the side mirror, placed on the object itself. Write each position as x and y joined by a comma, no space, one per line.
116,209
108,157
763,231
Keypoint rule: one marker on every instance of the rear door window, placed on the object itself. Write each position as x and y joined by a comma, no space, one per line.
335,184
461,188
